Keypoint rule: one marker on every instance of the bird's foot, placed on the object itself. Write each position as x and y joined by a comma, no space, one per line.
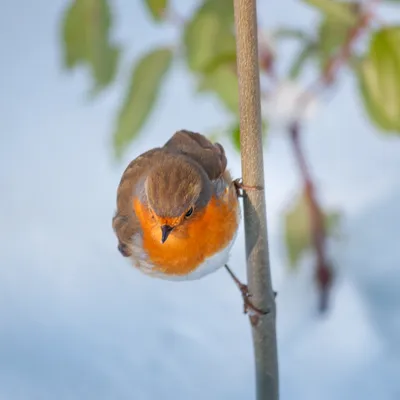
240,187
248,306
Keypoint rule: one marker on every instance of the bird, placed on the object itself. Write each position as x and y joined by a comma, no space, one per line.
177,211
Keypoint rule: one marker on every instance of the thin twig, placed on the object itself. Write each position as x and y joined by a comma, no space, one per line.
323,272
318,232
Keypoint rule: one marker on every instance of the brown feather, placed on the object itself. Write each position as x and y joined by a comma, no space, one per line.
179,173
210,156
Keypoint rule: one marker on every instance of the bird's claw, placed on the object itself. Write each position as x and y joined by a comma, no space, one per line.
248,306
240,187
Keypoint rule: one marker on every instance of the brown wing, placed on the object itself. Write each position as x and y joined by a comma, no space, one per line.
210,156
125,222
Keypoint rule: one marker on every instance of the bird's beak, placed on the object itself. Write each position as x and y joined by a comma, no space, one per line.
165,231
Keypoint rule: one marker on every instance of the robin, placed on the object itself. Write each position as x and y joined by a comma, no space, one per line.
178,211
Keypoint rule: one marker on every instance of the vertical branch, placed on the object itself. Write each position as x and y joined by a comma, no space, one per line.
255,221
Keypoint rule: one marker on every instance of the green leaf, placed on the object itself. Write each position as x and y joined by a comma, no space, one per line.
235,136
210,50
298,229
227,59
146,80
332,33
291,33
379,79
86,40
339,11
223,82
157,8
332,221
73,31
210,34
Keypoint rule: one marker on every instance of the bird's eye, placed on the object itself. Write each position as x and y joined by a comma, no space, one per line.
189,212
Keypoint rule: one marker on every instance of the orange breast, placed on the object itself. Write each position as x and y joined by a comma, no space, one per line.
200,237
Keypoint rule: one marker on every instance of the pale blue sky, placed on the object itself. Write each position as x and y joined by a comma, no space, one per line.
78,323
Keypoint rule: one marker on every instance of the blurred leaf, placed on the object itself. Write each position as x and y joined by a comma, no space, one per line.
332,33
157,8
104,72
86,29
290,33
332,221
337,10
146,80
305,53
235,136
379,79
298,229
209,34
223,81
74,35
228,59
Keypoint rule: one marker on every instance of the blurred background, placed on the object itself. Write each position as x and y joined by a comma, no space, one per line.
78,103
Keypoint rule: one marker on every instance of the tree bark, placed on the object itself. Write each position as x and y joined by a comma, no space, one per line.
255,220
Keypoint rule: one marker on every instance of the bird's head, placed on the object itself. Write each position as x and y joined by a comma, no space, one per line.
176,191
